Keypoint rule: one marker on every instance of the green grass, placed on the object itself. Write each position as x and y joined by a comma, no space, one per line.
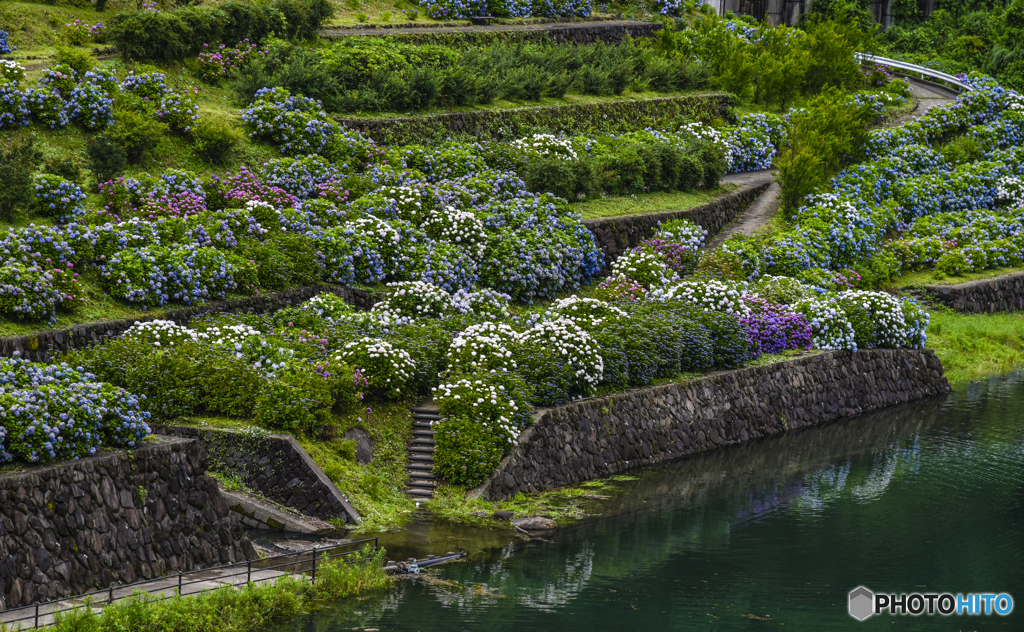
230,609
975,346
934,277
562,504
646,203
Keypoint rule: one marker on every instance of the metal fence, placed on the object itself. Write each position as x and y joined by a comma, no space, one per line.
41,615
928,73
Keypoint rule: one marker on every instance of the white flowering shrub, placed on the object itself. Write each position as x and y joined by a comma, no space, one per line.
483,302
586,312
415,299
163,333
1010,191
709,295
387,369
644,266
482,348
880,319
546,145
830,327
482,415
559,360
329,306
231,337
460,228
684,232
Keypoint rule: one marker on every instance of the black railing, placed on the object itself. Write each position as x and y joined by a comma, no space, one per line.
41,615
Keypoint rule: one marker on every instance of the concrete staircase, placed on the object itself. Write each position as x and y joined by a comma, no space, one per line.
421,452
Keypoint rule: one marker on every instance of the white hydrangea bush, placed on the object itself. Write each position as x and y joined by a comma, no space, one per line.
645,267
546,145
572,345
387,369
683,232
588,313
1010,192
482,302
415,299
461,228
830,326
163,333
482,348
709,295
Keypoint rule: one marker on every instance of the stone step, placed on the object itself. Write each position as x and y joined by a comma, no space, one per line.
420,493
421,475
419,468
427,442
421,458
422,485
420,449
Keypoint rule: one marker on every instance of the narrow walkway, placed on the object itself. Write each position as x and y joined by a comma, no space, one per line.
764,208
421,453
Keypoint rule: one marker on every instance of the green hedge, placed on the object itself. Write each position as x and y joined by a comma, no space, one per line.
611,117
172,35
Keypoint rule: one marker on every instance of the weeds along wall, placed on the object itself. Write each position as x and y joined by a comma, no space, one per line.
621,116
74,527
603,436
42,346
588,32
274,465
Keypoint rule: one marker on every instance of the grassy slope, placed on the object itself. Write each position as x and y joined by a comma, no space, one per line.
615,206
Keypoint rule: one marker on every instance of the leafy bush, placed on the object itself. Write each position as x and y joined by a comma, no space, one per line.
17,162
559,360
482,415
215,140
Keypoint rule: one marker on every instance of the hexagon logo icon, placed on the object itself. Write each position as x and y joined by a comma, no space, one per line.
861,603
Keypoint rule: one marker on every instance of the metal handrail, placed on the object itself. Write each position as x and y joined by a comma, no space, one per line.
301,562
902,65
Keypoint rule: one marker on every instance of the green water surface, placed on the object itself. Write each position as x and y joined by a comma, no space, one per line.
771,535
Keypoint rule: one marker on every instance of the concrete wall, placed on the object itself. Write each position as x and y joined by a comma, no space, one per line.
604,436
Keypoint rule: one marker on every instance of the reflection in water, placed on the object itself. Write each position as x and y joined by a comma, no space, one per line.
928,496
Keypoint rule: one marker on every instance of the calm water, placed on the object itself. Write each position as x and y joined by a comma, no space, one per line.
771,535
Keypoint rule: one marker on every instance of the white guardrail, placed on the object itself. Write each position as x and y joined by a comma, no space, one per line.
866,58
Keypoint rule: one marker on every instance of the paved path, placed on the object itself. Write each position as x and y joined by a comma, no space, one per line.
764,208
165,587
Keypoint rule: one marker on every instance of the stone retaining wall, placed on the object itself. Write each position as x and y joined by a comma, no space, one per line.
604,436
69,528
559,30
985,296
616,235
41,346
571,119
275,466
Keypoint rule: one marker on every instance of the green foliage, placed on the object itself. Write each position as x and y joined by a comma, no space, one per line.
173,35
77,59
824,136
215,140
107,159
18,161
138,133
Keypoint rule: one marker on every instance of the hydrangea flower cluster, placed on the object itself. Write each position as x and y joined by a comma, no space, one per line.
545,145
569,343
217,63
482,348
645,266
773,329
710,295
619,288
754,141
588,313
455,9
5,44
50,412
387,369
11,70
163,333
56,197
